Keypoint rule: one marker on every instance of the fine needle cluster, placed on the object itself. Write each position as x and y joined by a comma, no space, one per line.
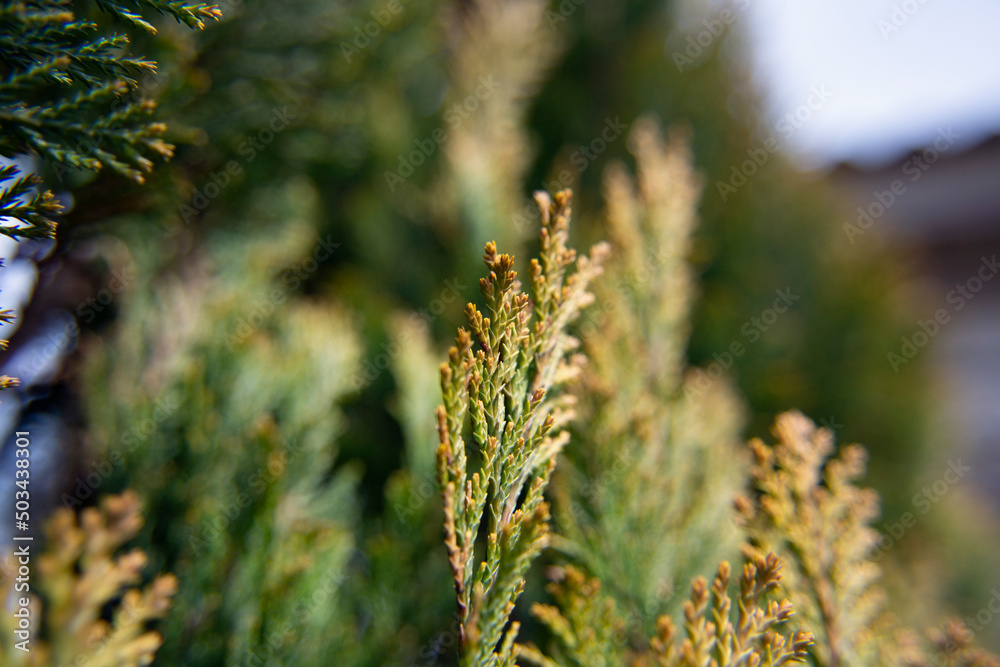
502,374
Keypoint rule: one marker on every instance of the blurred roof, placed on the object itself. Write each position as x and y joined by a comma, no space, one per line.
931,197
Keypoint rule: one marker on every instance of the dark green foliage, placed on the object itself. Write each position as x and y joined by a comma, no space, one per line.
68,97
22,199
67,94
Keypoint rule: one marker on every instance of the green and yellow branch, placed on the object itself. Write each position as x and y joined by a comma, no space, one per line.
503,373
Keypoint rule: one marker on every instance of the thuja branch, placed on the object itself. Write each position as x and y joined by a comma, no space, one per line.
751,630
501,376
69,95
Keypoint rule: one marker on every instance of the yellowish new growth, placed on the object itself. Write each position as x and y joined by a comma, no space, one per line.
806,507
712,639
78,576
650,223
587,630
809,509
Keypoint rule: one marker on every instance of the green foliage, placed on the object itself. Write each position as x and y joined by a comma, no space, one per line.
644,501
66,93
68,97
507,387
240,453
237,428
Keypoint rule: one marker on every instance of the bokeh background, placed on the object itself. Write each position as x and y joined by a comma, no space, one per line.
294,274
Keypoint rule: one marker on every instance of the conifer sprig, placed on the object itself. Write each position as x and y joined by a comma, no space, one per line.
806,507
64,99
63,96
587,630
642,501
82,578
711,637
585,622
809,509
21,200
191,14
506,385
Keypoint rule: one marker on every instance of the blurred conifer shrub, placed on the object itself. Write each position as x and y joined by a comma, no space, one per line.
313,515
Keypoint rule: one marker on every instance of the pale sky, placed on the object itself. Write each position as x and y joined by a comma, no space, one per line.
891,90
